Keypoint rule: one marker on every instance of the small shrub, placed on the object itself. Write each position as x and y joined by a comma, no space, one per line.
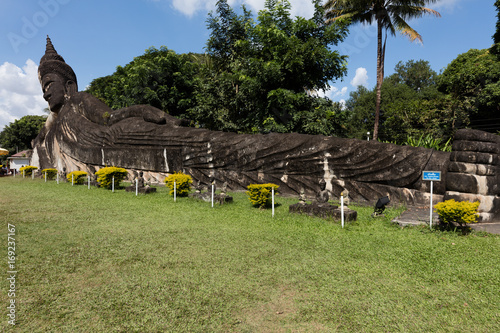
105,176
182,182
461,212
428,141
51,173
79,177
28,170
260,194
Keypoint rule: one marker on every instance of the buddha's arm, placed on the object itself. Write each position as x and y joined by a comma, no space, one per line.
146,112
97,112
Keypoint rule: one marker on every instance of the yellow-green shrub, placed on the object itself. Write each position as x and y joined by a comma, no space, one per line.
461,212
182,183
260,194
28,170
79,177
105,176
51,173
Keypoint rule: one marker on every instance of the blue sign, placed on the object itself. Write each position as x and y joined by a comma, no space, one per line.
432,175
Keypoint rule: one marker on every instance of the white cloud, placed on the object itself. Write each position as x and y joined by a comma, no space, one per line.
20,92
445,4
190,7
333,93
342,104
361,77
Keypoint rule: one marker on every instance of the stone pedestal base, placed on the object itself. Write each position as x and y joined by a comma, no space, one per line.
142,190
218,198
324,211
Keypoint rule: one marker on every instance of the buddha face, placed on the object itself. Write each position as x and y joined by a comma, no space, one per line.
53,87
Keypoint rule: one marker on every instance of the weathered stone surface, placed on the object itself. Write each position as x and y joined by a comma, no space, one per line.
324,211
476,135
474,168
473,172
142,190
474,157
476,146
223,199
472,183
205,196
489,207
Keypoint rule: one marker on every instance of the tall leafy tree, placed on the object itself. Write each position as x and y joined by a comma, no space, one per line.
411,104
264,67
417,75
472,81
159,77
19,134
227,28
390,16
495,48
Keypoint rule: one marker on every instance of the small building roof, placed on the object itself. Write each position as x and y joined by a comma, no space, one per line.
22,154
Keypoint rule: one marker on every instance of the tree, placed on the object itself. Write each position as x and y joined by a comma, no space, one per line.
159,77
227,28
417,75
390,16
495,48
359,108
472,82
263,69
411,106
19,134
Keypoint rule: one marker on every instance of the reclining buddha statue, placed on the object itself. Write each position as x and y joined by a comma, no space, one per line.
83,133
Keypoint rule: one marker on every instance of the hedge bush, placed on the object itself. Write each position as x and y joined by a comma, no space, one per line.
79,177
461,212
182,182
28,170
105,176
260,194
51,173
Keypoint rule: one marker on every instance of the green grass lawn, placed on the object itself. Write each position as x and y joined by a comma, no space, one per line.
96,261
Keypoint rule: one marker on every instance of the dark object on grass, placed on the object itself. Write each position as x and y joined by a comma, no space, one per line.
380,206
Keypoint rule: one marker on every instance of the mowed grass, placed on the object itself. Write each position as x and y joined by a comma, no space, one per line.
96,261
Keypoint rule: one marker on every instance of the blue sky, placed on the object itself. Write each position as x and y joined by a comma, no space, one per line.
95,36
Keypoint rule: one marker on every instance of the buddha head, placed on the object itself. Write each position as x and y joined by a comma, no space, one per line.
56,77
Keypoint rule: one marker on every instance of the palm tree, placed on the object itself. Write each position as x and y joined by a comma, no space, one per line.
390,15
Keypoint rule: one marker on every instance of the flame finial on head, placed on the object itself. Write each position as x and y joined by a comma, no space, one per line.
52,62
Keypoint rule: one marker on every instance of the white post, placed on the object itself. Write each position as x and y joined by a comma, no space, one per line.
175,191
113,185
57,177
72,179
430,209
212,195
24,173
14,170
45,176
32,173
88,181
272,191
136,186
342,209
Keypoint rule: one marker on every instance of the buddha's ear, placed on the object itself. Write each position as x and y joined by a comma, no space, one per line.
71,87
